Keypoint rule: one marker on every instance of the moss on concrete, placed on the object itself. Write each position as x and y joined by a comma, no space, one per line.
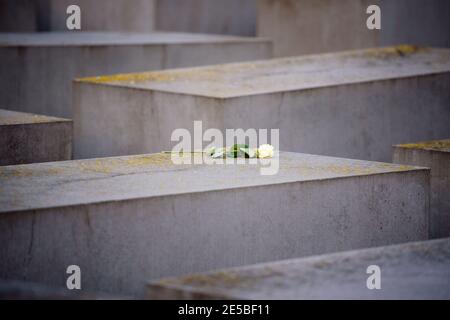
437,145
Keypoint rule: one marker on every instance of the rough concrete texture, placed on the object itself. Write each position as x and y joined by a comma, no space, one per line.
127,220
37,69
314,26
21,290
353,104
236,17
419,270
31,138
18,16
434,155
98,15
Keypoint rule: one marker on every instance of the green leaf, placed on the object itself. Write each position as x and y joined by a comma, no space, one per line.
248,153
235,150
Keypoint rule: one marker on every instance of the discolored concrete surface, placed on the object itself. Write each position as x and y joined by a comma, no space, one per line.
127,220
317,26
354,104
234,17
435,155
31,138
21,290
38,68
98,15
419,270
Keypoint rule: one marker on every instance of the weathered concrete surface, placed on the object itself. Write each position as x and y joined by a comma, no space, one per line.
127,220
31,138
37,69
419,270
98,15
311,26
237,17
104,15
434,155
18,16
21,290
352,104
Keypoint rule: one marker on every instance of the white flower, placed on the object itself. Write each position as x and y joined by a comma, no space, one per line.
252,153
265,151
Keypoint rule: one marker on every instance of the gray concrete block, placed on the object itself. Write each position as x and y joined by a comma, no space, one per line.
31,138
353,104
237,17
18,16
127,220
22,290
434,155
37,69
311,26
98,15
419,270
103,15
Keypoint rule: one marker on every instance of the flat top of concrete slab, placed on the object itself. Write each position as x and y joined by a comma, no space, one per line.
436,145
8,117
67,183
418,270
44,39
288,74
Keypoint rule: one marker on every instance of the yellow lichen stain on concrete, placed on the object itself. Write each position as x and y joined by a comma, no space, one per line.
308,170
438,145
21,171
157,159
205,280
322,264
100,166
400,50
17,172
24,118
155,76
244,278
128,78
110,165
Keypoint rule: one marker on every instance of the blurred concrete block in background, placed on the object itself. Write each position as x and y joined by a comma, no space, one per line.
31,138
96,15
353,104
435,155
311,26
127,220
233,17
37,69
237,17
419,270
23,290
19,15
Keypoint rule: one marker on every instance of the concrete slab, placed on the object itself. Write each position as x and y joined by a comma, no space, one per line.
354,104
18,16
419,270
98,15
102,15
31,138
435,155
235,17
22,290
311,26
38,68
126,220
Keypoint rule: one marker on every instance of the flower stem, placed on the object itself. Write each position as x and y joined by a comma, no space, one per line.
175,152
